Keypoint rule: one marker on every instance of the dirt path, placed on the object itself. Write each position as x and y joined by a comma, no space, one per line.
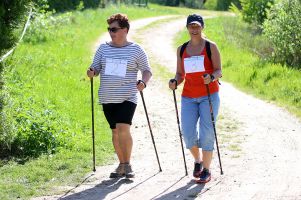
261,157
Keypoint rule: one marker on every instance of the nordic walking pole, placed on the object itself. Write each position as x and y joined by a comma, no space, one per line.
92,109
150,129
180,133
213,124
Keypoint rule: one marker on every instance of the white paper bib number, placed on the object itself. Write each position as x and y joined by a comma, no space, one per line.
194,64
116,67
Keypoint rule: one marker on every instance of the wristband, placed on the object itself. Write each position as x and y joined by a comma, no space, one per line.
212,77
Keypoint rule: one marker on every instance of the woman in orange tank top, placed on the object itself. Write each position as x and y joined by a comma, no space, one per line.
198,69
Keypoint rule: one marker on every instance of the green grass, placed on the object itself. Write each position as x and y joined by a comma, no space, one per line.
272,82
47,73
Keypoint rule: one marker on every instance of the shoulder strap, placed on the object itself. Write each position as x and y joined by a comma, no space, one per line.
208,50
183,47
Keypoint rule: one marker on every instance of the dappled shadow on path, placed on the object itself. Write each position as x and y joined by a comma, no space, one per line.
100,191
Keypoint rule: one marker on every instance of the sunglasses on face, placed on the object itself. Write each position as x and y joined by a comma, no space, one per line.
114,29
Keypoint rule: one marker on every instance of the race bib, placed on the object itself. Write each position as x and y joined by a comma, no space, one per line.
116,67
194,64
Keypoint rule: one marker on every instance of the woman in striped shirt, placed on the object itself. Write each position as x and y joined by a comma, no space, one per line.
118,62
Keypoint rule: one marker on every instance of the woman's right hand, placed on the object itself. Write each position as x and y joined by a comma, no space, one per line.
90,72
173,84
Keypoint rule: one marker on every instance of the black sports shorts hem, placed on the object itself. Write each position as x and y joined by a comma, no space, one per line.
119,113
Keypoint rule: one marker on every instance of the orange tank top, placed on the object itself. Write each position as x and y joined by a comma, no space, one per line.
194,86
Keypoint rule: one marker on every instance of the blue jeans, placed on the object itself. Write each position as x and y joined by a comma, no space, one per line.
195,114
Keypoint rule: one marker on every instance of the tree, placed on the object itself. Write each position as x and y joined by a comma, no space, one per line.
11,15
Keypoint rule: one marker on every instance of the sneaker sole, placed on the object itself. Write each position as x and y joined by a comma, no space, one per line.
202,182
116,175
129,176
197,175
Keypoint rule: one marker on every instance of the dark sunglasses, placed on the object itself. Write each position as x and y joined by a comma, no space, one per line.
114,29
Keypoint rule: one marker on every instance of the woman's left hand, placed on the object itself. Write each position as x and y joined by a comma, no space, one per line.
207,79
140,85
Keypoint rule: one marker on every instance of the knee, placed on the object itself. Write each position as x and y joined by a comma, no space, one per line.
114,132
123,128
190,139
207,142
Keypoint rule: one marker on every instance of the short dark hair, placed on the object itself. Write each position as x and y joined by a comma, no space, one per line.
122,20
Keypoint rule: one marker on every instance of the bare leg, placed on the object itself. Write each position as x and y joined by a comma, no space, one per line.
125,141
207,157
118,150
195,153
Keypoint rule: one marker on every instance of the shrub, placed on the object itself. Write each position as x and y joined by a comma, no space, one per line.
44,25
65,5
225,4
210,5
34,131
29,128
11,16
283,29
255,11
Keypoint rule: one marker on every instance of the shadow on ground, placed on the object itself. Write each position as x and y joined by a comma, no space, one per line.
101,190
190,191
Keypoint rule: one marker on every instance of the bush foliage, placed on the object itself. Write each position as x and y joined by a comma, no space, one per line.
255,11
283,29
11,14
65,5
225,4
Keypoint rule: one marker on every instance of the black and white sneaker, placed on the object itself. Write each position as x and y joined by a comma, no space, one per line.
205,176
197,170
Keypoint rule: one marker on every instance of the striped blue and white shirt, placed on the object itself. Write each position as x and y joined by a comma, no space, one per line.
118,68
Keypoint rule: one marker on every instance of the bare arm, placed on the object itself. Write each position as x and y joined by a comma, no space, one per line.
146,76
216,63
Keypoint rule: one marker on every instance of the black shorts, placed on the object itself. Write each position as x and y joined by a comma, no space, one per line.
119,113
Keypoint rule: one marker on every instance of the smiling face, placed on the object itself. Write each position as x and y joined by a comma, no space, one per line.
195,30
